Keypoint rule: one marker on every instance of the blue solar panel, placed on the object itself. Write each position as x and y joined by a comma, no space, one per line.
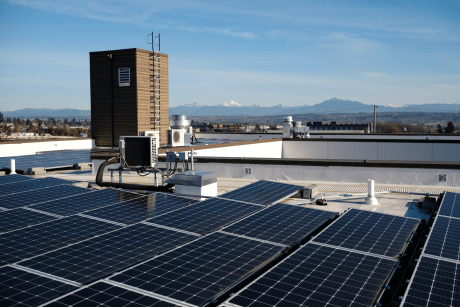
21,288
141,209
19,218
48,159
13,179
450,205
372,232
85,202
103,294
444,240
42,195
434,283
317,276
95,258
27,185
35,240
196,272
263,192
281,223
206,216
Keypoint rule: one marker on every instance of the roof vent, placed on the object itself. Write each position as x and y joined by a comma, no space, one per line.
123,76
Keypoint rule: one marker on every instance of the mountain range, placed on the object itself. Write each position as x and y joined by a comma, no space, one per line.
334,105
233,108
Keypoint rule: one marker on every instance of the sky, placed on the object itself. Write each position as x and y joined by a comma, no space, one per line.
253,52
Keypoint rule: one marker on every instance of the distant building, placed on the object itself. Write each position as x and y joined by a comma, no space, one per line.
129,94
335,126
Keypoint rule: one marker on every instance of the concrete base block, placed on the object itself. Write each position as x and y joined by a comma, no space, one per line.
2,173
36,171
310,191
209,190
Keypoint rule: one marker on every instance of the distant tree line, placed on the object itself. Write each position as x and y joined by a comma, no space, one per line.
51,126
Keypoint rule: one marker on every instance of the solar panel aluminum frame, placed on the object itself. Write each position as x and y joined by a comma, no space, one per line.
428,240
355,250
64,280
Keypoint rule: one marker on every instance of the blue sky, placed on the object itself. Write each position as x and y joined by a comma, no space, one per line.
253,52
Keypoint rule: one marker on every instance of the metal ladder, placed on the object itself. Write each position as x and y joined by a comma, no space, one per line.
155,90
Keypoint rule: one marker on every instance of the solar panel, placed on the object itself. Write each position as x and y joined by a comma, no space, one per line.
32,241
141,209
104,294
198,271
35,184
281,223
372,232
92,259
48,159
19,218
434,283
21,288
42,195
444,240
263,192
85,202
13,179
317,275
450,205
206,216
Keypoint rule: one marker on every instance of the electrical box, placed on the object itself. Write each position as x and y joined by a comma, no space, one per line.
182,156
170,156
139,151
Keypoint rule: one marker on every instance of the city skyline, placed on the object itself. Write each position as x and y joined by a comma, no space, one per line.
294,53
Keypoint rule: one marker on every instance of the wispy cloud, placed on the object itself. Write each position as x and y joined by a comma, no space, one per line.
227,32
350,43
375,75
289,35
444,86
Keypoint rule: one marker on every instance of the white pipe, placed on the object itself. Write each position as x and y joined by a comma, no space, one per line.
13,167
370,187
191,154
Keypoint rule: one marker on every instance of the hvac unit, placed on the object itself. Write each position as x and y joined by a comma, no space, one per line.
139,151
179,137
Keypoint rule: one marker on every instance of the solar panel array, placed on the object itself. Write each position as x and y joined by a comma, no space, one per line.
95,258
263,192
31,241
436,279
281,223
198,271
162,250
48,159
206,216
317,275
371,232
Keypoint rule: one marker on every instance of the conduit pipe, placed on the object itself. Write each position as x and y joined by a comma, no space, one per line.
102,183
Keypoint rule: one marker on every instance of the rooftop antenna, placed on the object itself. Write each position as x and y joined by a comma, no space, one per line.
151,41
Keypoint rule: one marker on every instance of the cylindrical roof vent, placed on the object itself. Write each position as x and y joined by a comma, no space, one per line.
288,119
179,122
298,124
